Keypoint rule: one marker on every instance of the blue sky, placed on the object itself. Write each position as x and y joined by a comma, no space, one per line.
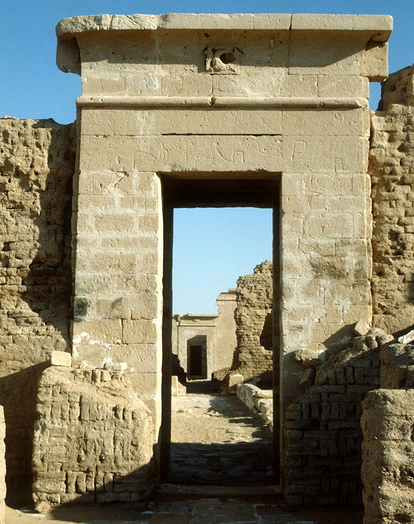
212,247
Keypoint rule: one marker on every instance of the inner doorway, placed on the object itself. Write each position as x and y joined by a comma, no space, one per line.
197,358
218,193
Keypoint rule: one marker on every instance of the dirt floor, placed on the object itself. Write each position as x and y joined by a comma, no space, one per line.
216,440
220,474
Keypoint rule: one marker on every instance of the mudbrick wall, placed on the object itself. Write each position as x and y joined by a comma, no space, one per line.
253,315
36,167
92,440
322,437
392,172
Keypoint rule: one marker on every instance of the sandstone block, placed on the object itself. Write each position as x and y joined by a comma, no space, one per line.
61,358
234,379
361,328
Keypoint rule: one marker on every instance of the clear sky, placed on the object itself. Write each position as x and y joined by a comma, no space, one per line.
211,247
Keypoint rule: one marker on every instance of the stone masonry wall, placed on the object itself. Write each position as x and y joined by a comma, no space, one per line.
392,172
388,448
388,456
37,160
253,315
322,436
93,439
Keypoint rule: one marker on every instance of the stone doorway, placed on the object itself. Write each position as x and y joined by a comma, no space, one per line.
164,122
197,358
214,191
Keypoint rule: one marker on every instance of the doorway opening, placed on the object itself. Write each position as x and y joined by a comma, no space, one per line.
214,191
197,357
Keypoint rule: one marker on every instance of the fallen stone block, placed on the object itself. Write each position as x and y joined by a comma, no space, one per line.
61,358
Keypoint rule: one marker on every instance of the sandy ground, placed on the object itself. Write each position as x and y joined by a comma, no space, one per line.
216,440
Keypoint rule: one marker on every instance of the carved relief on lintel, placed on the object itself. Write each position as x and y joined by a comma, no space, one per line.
222,61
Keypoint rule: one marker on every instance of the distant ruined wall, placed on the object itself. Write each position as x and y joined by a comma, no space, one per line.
392,172
93,439
253,315
37,162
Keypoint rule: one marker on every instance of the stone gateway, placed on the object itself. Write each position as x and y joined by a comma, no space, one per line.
181,110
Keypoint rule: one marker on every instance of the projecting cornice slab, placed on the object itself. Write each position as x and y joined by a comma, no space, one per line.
207,22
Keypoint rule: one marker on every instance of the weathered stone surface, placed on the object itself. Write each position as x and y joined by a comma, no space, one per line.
397,366
92,439
407,338
361,328
258,401
333,29
233,380
388,456
61,358
391,166
177,389
37,162
2,465
309,358
169,107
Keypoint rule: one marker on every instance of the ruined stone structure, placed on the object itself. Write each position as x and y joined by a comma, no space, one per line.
211,110
37,165
204,344
322,430
391,165
254,321
92,440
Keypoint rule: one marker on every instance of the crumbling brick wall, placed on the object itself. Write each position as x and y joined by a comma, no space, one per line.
253,315
37,162
93,439
322,435
387,422
392,172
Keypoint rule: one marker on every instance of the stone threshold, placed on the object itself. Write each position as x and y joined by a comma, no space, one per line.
220,491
